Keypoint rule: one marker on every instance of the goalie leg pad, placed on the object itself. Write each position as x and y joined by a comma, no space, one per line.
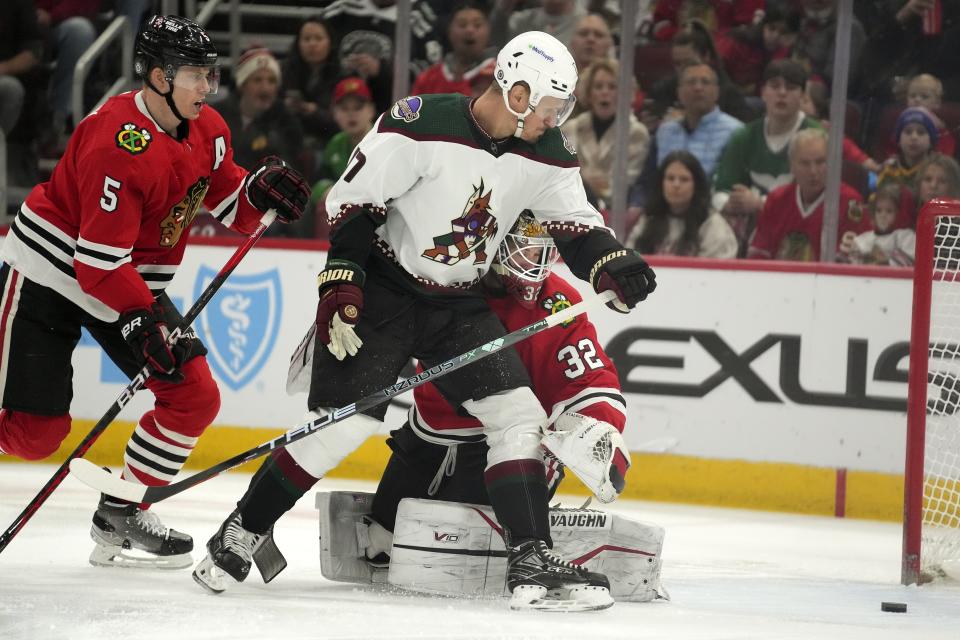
458,549
345,536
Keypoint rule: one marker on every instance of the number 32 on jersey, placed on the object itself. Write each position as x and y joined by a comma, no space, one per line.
579,358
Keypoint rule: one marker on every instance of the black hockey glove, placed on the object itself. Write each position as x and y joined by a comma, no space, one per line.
277,185
340,286
145,330
626,273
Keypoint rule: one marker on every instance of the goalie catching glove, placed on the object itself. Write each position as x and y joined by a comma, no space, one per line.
627,274
594,450
278,186
145,330
341,302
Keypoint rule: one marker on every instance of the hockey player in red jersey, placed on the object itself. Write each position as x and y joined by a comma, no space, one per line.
96,246
442,454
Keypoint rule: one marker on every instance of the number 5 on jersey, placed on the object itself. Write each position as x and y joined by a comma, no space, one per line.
109,200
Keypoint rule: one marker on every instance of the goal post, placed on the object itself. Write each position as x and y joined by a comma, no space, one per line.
931,506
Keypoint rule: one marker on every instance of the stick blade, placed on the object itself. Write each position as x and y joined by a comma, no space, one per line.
105,482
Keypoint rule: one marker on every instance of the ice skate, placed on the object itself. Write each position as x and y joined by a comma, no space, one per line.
540,579
376,543
128,536
230,554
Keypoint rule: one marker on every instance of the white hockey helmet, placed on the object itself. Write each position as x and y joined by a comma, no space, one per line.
543,63
524,259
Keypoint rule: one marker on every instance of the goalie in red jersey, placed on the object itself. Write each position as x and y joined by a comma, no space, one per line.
95,247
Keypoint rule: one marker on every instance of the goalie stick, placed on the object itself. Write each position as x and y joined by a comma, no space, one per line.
135,384
102,480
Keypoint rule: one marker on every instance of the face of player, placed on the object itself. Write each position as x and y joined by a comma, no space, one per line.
591,39
469,34
353,115
922,93
260,90
884,214
933,183
914,141
678,187
545,115
698,90
191,86
603,95
314,43
783,99
809,166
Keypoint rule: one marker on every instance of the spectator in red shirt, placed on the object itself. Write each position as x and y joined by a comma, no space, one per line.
470,58
719,15
790,225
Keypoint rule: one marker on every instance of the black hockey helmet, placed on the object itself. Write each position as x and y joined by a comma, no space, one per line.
170,42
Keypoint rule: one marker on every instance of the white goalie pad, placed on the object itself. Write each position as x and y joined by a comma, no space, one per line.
457,549
344,537
594,450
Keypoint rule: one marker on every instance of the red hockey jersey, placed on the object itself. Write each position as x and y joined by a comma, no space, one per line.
785,231
109,228
567,366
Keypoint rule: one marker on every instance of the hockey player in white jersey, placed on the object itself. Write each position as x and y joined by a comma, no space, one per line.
426,199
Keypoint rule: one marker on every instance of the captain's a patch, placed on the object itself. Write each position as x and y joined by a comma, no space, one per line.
406,109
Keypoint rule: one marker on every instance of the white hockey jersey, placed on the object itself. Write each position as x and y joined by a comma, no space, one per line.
449,194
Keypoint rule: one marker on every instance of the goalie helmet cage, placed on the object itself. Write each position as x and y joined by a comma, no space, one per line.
931,506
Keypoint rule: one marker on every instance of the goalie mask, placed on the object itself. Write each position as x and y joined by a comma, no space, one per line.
524,259
544,65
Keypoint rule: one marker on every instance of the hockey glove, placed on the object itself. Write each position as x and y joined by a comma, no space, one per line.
594,450
277,185
145,330
627,274
341,302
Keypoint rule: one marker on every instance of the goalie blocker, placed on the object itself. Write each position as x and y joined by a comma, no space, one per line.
455,549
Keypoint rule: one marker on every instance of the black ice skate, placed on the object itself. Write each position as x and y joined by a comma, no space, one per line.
128,536
232,550
540,579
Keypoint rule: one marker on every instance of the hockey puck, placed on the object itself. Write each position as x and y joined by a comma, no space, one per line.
893,607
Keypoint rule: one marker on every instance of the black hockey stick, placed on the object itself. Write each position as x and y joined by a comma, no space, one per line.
135,385
106,482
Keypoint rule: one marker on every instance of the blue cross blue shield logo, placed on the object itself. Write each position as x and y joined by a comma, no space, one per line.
241,323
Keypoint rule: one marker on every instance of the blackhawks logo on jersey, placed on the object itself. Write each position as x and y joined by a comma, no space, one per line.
557,302
471,230
134,141
183,213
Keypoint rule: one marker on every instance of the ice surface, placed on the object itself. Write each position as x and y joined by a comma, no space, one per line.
731,574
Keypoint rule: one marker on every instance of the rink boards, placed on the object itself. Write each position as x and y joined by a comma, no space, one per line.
748,384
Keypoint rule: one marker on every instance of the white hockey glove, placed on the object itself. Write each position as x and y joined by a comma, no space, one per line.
594,450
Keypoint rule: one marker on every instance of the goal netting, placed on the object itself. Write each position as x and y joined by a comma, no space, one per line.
931,547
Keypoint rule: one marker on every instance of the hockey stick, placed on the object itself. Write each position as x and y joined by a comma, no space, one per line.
102,480
136,384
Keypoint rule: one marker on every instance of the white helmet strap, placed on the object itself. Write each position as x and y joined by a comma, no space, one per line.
520,116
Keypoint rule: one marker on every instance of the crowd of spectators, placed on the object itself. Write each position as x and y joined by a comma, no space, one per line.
727,138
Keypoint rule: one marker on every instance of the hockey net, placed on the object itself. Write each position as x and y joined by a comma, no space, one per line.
931,525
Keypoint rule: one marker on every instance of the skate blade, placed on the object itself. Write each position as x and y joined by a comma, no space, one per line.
118,556
580,598
209,576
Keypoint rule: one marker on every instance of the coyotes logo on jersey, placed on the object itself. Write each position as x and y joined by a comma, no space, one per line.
183,213
471,230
